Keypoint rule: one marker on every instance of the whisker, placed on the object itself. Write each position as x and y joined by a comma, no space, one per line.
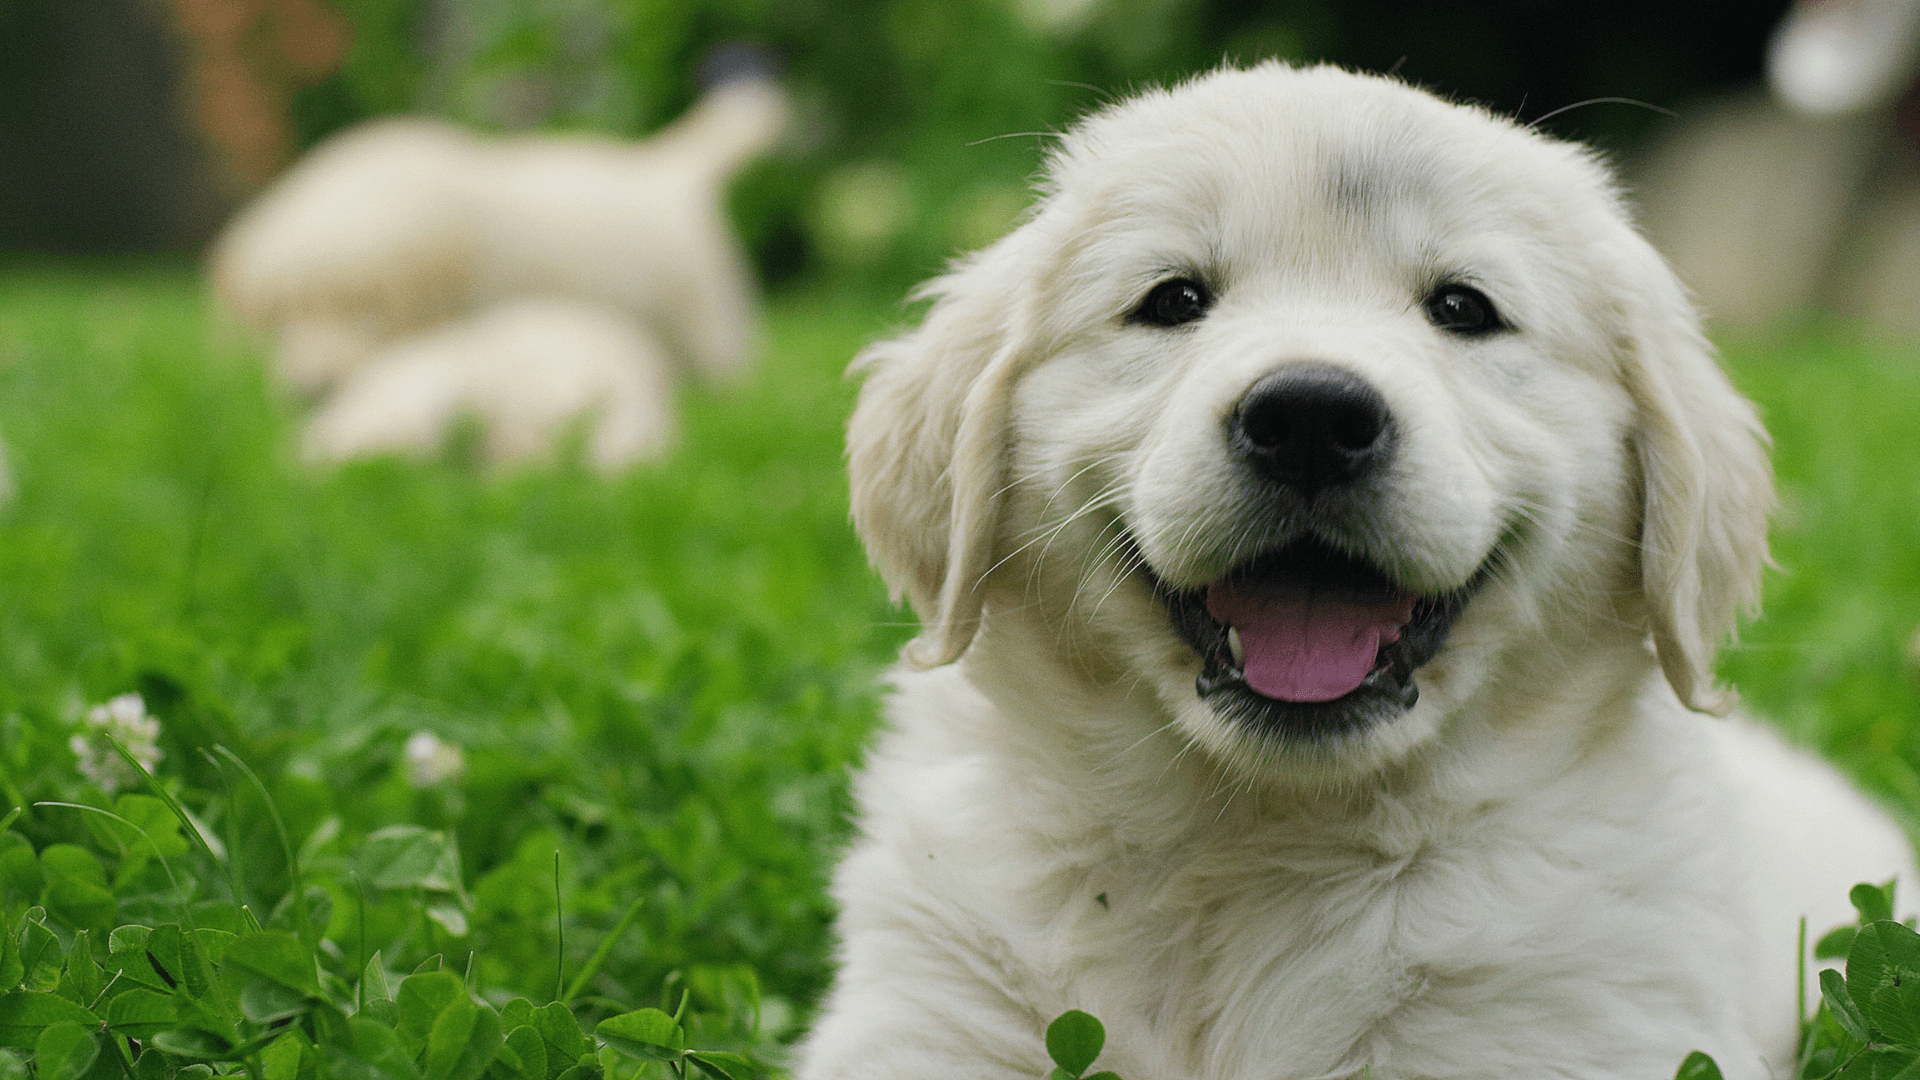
1095,564
1019,135
1046,534
1099,91
1538,120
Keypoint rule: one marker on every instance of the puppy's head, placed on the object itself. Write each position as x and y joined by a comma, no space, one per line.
1319,405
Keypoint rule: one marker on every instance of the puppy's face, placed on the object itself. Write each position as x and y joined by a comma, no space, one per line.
1315,403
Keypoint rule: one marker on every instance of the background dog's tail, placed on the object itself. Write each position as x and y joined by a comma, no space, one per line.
744,113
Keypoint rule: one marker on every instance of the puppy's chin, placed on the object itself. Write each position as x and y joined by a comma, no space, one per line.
1255,756
1357,743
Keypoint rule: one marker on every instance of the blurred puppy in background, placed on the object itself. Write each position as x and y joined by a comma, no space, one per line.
1804,197
528,370
394,240
1323,513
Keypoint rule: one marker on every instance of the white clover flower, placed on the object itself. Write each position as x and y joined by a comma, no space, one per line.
125,719
431,761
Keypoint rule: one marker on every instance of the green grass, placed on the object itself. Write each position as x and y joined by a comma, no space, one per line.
1828,660
662,677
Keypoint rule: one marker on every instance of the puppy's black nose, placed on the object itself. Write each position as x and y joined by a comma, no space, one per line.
1313,427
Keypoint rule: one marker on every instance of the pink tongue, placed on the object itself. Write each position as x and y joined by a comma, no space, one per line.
1305,644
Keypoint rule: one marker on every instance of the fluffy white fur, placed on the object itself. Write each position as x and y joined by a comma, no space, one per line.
400,226
525,371
1554,865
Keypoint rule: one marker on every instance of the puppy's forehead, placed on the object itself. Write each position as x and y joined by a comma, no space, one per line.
1368,178
1239,150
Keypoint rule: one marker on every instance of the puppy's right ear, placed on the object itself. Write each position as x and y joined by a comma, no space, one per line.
926,448
1706,485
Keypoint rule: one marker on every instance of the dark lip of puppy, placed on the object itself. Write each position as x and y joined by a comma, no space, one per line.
1390,688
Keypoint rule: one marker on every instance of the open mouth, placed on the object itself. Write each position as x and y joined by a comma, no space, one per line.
1306,641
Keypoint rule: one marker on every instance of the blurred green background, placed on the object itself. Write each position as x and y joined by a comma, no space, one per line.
902,157
661,678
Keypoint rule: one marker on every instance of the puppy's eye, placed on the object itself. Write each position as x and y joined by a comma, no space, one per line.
1170,303
1464,310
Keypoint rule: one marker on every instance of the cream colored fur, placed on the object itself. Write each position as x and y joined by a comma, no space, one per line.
400,227
526,371
1554,865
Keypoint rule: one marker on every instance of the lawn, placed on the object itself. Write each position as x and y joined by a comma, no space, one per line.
661,677
1835,657
643,693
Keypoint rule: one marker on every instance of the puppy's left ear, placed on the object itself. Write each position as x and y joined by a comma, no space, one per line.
926,447
1706,484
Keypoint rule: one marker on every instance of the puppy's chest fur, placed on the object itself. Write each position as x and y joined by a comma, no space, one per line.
1249,935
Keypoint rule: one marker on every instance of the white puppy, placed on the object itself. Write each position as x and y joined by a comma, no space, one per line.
526,371
398,225
1323,511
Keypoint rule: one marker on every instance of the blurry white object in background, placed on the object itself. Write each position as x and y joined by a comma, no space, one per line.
1806,198
1748,202
432,761
526,371
125,720
398,226
1829,57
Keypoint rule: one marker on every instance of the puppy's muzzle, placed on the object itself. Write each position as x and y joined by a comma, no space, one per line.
1310,638
1313,428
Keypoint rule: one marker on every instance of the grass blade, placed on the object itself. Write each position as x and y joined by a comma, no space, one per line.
301,918
600,954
